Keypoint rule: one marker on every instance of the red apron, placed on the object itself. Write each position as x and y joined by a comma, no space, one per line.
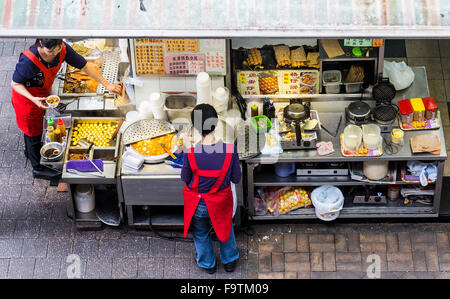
219,203
30,117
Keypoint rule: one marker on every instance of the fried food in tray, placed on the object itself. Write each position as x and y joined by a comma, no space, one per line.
82,49
282,55
78,81
152,147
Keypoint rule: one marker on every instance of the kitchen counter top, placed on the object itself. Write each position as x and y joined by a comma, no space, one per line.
419,88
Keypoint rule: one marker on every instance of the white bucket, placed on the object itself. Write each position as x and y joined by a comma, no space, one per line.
84,198
328,201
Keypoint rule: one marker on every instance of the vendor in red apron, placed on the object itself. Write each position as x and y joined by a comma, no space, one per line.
208,169
32,82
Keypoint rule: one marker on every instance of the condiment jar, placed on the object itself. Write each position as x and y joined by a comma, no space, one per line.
255,111
393,192
397,136
51,123
430,107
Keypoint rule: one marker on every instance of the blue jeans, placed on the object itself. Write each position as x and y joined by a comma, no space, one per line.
201,228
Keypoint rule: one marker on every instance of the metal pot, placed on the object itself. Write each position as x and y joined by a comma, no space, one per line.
180,107
46,151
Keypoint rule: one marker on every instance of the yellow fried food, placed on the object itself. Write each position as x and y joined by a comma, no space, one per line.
152,147
97,132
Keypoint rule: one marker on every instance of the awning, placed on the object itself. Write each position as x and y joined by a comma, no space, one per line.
226,18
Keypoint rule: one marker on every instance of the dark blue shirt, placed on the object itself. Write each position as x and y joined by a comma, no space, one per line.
211,157
28,74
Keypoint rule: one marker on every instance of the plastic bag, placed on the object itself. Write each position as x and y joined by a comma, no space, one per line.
291,198
269,196
399,74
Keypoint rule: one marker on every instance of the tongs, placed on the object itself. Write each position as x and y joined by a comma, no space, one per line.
73,171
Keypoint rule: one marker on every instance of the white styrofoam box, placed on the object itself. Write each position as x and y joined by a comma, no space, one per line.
172,84
190,84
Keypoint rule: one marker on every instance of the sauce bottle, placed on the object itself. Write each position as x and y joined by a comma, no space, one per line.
61,127
255,111
51,133
271,110
266,107
58,135
51,122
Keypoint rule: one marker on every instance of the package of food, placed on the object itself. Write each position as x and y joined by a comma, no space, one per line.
254,58
313,59
298,57
282,55
291,198
260,206
269,195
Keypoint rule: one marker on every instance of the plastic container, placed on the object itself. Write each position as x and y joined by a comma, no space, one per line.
375,170
51,134
203,84
179,107
284,169
261,123
397,136
157,106
61,127
419,109
132,160
430,107
406,111
393,192
84,198
352,137
371,136
332,81
145,110
354,87
328,201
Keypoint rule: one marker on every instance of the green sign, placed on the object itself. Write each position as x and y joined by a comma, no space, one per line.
352,42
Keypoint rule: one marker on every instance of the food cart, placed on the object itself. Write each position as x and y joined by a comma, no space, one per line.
250,50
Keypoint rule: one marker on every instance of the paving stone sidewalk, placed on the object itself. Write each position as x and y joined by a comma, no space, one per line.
37,237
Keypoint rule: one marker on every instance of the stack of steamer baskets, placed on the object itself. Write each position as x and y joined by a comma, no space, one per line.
146,129
384,113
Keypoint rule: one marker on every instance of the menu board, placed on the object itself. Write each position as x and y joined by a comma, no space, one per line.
185,64
282,82
180,56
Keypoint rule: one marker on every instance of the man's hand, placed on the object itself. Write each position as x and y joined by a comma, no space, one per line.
40,102
115,88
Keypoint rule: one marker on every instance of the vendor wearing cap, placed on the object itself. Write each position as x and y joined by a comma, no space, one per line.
32,82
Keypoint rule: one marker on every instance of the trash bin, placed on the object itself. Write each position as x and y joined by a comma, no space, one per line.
328,201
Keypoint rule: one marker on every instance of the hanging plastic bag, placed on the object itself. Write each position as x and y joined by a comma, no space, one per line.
399,74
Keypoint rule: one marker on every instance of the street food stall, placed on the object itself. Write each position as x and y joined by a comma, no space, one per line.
320,129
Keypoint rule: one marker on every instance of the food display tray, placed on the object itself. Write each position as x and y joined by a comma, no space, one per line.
429,125
145,129
370,153
109,71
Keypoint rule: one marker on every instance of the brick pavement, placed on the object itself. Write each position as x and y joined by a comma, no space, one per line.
309,251
36,236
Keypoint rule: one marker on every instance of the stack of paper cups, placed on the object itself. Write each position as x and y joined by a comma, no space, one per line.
157,105
221,97
203,84
145,110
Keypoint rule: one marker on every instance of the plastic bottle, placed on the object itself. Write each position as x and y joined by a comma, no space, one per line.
51,122
266,107
58,135
61,127
255,111
51,133
271,110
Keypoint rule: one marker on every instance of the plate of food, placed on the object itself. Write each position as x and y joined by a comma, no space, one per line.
305,90
308,79
152,151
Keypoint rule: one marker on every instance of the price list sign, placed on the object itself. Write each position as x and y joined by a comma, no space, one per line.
181,45
149,59
248,83
185,64
215,62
